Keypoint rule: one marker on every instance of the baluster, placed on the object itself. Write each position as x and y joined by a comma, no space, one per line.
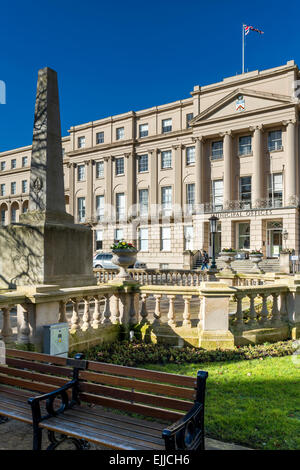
86,315
252,313
171,312
25,328
275,309
107,313
264,309
62,318
187,310
239,310
200,315
157,312
75,320
144,311
283,307
6,331
96,314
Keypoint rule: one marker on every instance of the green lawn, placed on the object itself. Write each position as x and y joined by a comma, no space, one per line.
255,403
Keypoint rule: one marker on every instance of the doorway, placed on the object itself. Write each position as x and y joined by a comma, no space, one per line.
274,239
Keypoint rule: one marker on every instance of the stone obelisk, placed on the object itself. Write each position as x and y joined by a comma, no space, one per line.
45,247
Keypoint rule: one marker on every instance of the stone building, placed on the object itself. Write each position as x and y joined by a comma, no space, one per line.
155,176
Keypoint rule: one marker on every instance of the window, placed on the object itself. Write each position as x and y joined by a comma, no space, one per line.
190,155
245,147
166,125
3,211
217,194
274,140
81,209
143,239
189,117
166,159
13,214
166,200
275,190
99,169
100,207
81,172
81,142
143,130
2,166
217,150
120,166
120,133
25,161
25,209
165,239
120,206
118,234
13,163
244,235
245,192
188,237
13,187
143,163
143,202
100,137
99,239
24,186
190,197
2,189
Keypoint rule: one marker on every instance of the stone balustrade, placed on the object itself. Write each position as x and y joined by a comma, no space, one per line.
208,314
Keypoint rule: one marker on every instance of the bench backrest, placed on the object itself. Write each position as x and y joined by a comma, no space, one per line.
150,393
35,372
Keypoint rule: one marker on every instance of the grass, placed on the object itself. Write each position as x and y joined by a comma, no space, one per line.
254,403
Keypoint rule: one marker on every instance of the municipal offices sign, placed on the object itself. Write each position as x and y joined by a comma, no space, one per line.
237,214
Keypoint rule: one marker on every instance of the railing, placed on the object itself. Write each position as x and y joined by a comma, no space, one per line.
179,277
267,307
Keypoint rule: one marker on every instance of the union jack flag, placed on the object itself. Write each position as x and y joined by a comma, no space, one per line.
247,30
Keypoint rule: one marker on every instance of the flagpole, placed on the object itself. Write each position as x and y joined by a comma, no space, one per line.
243,48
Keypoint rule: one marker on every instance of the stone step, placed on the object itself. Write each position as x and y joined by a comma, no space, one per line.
245,266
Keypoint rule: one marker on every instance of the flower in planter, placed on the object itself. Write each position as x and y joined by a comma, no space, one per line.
255,252
228,250
122,245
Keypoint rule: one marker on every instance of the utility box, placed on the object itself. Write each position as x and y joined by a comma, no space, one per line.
56,339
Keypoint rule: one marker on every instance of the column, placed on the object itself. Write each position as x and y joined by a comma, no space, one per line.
199,168
89,189
178,174
71,167
108,186
131,180
290,169
153,178
227,183
257,173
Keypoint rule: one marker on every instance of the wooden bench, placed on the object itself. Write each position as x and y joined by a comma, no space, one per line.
95,405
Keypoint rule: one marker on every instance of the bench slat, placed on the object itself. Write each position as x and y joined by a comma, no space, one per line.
151,387
131,408
142,374
101,437
138,397
33,356
39,367
25,374
34,386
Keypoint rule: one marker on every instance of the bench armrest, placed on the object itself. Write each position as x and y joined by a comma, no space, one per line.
188,432
61,392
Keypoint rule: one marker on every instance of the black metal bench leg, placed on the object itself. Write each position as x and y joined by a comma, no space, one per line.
37,439
3,419
80,444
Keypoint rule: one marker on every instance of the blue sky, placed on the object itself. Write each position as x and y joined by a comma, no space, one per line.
113,57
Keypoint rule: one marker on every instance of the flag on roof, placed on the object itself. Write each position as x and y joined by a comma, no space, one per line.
247,29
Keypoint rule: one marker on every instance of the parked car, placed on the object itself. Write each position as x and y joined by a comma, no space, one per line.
138,265
104,260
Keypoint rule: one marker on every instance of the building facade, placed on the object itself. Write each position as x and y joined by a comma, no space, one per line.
156,176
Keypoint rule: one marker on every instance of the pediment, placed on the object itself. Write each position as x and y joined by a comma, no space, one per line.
241,101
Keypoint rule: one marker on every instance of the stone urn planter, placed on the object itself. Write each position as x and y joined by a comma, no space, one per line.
228,257
256,258
124,257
